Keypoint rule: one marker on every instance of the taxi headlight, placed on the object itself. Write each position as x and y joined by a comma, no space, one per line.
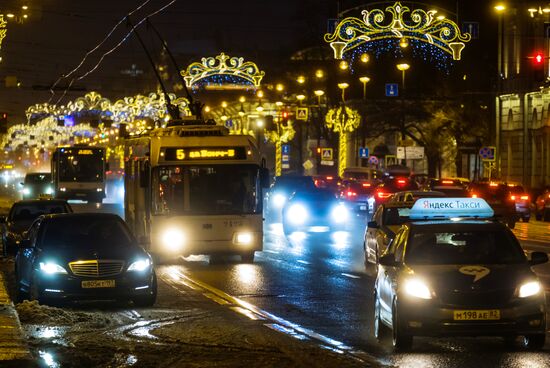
243,238
529,289
297,214
140,265
340,213
173,239
279,200
417,288
51,268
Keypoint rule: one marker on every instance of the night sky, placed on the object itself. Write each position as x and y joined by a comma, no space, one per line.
58,33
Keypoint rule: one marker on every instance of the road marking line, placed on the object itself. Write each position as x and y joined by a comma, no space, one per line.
303,262
216,299
262,314
351,276
247,313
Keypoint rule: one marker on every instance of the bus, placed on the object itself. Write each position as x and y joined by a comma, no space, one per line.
78,172
193,189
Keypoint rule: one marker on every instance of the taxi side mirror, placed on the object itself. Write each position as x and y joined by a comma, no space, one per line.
372,224
388,260
538,258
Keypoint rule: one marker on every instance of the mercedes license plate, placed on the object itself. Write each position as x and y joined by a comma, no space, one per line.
93,284
476,315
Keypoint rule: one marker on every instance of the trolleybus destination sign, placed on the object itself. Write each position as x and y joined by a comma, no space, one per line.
198,153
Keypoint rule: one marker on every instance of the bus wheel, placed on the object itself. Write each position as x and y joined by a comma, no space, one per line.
247,257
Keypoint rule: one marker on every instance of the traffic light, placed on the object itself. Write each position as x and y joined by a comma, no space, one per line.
538,59
3,123
538,65
284,118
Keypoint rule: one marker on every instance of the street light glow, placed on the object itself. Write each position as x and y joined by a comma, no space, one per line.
279,87
301,79
404,43
365,58
242,99
260,94
364,79
500,7
300,97
319,73
224,104
319,92
403,66
343,65
343,85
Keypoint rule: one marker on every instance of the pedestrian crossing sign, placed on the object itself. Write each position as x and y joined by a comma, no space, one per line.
326,154
301,113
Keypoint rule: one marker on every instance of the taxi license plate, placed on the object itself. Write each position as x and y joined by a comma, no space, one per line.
476,315
92,284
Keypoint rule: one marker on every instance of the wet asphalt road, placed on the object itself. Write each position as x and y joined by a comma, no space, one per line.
319,282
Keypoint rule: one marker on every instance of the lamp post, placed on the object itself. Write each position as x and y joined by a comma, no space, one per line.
364,80
343,87
403,67
500,10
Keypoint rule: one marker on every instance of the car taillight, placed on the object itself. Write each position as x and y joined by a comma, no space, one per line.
351,194
383,195
447,182
401,181
329,178
493,184
524,198
513,197
473,195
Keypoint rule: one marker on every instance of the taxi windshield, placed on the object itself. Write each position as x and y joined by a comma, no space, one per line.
468,247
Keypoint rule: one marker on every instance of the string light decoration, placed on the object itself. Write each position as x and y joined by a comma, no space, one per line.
283,134
405,25
223,70
3,29
342,120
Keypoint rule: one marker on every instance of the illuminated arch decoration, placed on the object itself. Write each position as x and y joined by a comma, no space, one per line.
429,36
223,70
342,120
3,29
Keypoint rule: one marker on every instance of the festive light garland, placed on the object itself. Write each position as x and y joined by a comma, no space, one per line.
282,134
342,120
3,29
419,25
213,70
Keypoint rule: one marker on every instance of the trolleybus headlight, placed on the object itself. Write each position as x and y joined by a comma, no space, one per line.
243,238
26,191
173,239
417,288
297,214
49,190
140,265
51,268
279,200
340,213
529,289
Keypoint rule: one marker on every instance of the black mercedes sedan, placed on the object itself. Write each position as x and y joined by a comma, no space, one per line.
83,256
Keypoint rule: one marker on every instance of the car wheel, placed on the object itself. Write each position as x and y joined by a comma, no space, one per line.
144,301
378,327
534,341
400,341
509,340
248,257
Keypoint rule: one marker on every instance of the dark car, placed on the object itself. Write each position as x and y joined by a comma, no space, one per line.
37,185
314,211
499,198
84,256
283,187
391,185
358,195
522,200
451,187
542,206
459,277
21,216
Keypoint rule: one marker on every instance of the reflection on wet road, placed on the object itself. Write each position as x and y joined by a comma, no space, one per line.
317,281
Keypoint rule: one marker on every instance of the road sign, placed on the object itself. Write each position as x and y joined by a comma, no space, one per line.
301,113
285,149
308,165
487,153
472,28
373,160
228,123
392,90
410,153
326,154
363,152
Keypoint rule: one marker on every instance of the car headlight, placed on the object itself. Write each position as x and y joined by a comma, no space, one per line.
51,268
340,213
417,288
529,289
140,265
279,200
49,190
173,239
297,214
26,191
63,189
243,238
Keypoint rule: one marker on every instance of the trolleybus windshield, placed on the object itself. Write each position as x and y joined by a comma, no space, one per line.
206,189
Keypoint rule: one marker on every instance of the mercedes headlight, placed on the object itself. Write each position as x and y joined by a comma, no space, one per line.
529,289
140,265
51,268
417,288
243,238
279,200
297,214
340,213
173,239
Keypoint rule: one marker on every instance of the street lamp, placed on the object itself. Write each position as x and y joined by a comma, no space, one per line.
364,80
319,93
403,67
343,87
319,73
500,9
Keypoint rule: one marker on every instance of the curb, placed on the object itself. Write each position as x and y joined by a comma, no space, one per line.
13,347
